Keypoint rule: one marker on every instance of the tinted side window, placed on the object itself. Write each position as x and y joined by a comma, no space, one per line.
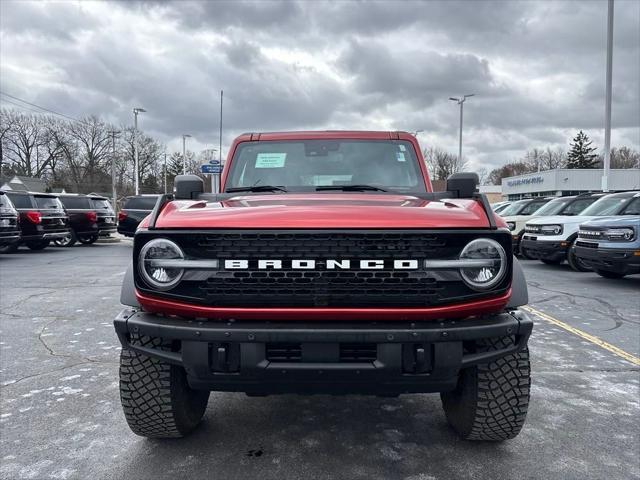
531,208
633,208
140,203
20,201
76,202
578,206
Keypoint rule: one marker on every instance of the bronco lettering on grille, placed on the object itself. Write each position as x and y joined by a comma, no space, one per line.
329,264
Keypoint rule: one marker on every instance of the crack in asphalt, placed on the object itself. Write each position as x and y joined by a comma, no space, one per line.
29,297
53,353
619,320
48,372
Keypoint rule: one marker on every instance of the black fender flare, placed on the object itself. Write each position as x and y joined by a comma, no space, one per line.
128,291
519,290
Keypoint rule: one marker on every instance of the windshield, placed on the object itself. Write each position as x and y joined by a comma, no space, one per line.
554,206
609,205
305,165
48,203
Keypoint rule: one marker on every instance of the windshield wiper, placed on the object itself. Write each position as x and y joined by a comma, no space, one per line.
350,188
257,188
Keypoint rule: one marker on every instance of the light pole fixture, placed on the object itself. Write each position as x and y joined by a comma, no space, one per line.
113,134
607,102
184,152
136,172
460,102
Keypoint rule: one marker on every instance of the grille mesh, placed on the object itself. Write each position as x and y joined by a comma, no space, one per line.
320,287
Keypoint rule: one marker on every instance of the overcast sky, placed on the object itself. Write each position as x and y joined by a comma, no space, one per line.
537,68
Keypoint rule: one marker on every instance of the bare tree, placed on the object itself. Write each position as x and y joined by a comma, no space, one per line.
442,164
625,157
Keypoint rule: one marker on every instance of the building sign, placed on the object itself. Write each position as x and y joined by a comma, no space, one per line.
525,181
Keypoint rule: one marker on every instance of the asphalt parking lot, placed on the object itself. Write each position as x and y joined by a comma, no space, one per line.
60,414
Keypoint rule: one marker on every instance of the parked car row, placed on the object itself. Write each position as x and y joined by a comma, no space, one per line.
38,219
582,229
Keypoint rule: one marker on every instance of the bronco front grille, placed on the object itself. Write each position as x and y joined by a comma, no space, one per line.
322,287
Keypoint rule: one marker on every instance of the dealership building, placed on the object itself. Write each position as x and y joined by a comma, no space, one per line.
565,181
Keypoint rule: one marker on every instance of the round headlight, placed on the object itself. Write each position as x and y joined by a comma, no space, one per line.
150,263
484,277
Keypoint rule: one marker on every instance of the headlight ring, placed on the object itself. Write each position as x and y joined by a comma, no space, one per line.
160,277
487,277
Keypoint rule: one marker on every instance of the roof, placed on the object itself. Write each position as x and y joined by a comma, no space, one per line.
26,184
327,134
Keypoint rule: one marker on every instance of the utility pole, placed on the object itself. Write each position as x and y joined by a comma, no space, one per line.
220,139
165,170
184,152
113,134
460,101
136,167
607,105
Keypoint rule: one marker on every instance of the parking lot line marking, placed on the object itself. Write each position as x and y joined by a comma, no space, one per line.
590,338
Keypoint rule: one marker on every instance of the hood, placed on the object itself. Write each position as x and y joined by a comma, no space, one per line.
517,218
324,211
561,219
617,221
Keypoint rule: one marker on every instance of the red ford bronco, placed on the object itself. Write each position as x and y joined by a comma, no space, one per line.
326,265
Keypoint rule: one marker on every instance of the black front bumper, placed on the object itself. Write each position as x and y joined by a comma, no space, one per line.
385,358
545,250
617,260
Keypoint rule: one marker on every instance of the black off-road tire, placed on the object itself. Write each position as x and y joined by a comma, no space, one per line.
608,274
10,248
88,240
575,263
155,396
38,245
551,262
491,400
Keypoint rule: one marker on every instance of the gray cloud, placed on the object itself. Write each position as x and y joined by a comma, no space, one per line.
537,68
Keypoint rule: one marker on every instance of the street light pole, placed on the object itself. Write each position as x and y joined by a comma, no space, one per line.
165,170
136,111
607,106
184,152
460,102
113,168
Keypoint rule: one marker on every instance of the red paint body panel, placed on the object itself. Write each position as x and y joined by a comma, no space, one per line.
461,310
329,210
323,210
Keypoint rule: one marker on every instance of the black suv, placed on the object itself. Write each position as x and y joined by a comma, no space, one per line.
42,218
82,220
106,216
134,210
9,226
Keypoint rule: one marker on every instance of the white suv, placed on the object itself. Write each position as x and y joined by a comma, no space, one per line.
551,238
518,213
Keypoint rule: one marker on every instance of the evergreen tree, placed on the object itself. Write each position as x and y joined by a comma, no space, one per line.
581,153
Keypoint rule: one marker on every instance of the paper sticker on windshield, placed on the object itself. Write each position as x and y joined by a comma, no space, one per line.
270,160
402,147
400,157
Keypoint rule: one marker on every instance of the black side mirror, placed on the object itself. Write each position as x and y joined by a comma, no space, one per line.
464,183
187,187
